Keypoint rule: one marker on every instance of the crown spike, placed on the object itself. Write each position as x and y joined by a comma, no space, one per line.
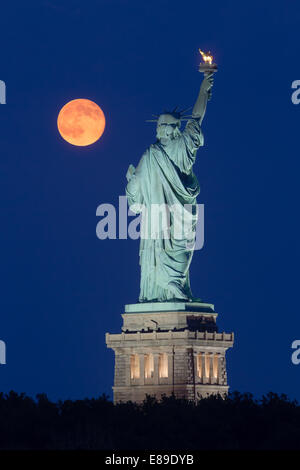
185,110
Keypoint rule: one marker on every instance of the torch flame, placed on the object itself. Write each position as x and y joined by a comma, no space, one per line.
206,57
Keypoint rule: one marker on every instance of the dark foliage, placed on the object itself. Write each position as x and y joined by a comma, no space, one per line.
237,422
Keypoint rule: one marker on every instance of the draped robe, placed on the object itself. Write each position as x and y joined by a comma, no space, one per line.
164,175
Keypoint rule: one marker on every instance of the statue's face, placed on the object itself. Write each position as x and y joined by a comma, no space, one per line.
166,125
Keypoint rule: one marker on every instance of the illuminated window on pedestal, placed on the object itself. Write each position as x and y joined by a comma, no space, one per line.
207,363
199,366
134,366
149,366
163,365
215,366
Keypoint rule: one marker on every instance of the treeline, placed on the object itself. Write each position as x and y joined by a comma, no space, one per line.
238,422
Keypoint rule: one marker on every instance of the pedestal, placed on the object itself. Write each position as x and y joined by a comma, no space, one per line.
169,348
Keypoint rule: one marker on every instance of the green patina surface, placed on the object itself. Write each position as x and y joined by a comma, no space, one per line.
169,307
164,178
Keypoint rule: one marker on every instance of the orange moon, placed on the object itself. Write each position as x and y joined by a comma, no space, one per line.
81,122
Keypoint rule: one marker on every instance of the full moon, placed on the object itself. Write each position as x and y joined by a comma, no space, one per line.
81,122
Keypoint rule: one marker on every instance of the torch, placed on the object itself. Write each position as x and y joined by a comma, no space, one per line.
207,66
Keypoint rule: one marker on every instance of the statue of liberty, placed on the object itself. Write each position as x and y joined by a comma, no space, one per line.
164,177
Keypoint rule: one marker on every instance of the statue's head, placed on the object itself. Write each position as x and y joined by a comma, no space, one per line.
168,126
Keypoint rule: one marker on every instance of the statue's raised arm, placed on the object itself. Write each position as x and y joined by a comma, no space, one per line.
204,95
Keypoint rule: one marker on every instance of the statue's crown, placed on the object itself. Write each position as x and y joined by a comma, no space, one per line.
179,115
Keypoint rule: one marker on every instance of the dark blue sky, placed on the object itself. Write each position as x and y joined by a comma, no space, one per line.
61,287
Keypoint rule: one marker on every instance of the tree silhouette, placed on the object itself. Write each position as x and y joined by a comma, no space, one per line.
237,422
